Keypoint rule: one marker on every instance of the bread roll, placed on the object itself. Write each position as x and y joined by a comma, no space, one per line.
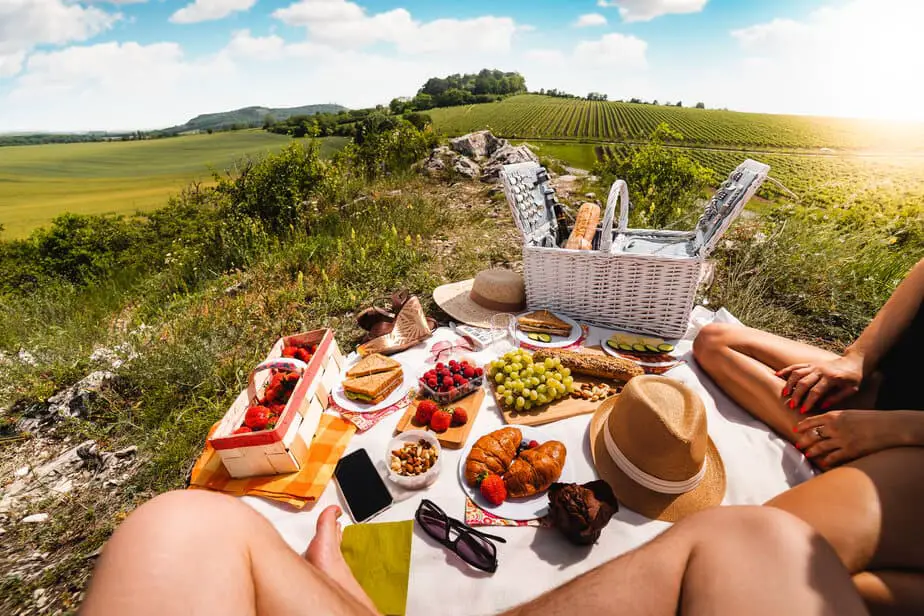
593,364
585,227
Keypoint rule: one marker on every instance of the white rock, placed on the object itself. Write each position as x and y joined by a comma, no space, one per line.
22,472
35,518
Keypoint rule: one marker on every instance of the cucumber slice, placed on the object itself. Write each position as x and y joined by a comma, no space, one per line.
625,347
533,336
640,348
651,348
545,338
613,344
666,348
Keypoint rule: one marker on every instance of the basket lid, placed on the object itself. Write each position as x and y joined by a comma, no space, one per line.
532,201
727,203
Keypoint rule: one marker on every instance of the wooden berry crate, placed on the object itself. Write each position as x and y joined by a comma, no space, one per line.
277,451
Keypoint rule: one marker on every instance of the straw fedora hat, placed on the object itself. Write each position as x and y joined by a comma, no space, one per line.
650,444
475,301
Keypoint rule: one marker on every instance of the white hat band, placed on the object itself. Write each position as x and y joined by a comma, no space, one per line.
645,480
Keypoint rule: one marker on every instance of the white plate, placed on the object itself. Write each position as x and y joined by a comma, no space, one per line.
557,341
358,407
518,508
648,364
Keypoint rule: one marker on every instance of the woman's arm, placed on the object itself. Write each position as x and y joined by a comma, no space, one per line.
834,381
894,318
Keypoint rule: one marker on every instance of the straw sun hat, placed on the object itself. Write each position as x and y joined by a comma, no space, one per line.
650,444
475,301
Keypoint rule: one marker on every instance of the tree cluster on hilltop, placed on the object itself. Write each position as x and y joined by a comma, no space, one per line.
484,87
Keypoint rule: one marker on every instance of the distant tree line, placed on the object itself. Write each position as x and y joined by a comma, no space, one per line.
485,86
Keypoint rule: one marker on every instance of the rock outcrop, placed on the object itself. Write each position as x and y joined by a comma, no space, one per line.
476,155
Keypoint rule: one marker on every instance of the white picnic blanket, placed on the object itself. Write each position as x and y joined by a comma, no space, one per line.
758,465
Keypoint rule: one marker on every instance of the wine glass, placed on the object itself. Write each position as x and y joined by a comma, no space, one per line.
503,333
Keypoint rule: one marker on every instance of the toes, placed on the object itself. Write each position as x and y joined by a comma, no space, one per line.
328,518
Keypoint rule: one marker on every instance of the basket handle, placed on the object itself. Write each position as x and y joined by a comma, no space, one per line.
287,364
619,192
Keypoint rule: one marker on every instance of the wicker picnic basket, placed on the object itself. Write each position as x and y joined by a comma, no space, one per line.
633,279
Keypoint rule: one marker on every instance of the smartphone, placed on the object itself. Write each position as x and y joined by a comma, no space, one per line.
362,487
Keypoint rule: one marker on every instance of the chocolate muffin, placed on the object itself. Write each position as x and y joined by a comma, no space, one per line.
581,512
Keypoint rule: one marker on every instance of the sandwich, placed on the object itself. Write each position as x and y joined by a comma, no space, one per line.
373,388
544,322
372,364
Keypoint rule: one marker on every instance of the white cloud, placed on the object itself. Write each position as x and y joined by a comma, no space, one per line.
545,57
646,10
857,59
590,20
345,24
24,24
126,86
208,10
625,51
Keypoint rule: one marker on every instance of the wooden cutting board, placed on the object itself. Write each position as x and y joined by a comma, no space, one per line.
455,437
561,409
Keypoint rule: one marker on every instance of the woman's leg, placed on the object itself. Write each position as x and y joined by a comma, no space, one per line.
204,553
730,560
870,511
743,362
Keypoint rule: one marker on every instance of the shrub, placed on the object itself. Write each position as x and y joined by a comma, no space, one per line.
664,185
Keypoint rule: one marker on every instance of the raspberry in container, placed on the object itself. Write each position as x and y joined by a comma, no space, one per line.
269,427
451,380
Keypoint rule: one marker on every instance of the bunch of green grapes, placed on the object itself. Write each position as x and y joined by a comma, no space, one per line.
522,385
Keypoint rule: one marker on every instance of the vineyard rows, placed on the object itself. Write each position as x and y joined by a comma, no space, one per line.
542,117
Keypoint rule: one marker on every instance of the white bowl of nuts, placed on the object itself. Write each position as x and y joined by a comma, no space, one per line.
414,459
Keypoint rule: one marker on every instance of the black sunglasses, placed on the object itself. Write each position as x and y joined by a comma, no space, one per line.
469,544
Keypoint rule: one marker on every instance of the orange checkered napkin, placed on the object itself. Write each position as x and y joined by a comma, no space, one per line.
297,489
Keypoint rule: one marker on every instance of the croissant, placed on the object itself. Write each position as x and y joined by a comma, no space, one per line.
534,470
492,454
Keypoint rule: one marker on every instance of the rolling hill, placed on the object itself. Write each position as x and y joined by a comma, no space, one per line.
246,117
536,117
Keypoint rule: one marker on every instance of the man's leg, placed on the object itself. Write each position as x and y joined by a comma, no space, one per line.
732,560
199,552
743,362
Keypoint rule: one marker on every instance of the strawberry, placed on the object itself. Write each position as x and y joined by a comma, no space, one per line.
440,421
459,416
448,381
458,379
425,410
242,430
532,445
257,417
290,351
440,366
303,355
493,489
468,372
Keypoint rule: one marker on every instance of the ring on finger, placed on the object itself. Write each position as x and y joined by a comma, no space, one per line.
819,433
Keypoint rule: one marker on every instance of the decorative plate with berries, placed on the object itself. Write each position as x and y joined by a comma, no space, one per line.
516,508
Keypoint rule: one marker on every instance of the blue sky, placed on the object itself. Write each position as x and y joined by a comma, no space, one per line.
123,64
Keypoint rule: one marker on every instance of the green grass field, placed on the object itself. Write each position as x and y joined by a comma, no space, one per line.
535,117
40,182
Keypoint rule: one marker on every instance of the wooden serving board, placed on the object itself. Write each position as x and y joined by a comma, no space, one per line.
454,437
560,409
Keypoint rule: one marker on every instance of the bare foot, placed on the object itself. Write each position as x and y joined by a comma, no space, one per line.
324,553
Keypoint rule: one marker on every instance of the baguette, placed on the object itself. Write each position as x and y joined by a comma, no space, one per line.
593,364
585,227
